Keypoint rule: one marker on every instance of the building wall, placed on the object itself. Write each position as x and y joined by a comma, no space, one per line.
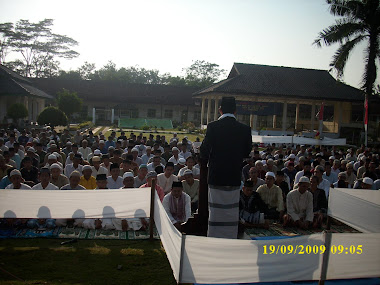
179,113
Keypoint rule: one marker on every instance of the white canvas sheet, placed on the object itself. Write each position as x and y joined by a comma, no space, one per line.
170,237
60,204
213,260
357,208
297,140
352,265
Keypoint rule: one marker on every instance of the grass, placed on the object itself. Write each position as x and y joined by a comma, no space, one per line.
167,134
45,261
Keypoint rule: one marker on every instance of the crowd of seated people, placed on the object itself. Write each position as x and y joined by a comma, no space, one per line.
294,182
287,183
44,160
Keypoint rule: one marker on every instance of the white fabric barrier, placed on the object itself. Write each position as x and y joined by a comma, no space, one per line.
297,140
357,208
66,204
352,264
170,237
213,260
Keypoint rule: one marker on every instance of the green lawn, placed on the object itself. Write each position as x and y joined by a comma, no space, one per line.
45,261
166,133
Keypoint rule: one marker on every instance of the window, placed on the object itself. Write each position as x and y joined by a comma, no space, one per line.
168,114
184,116
151,113
305,111
328,113
197,116
357,113
134,113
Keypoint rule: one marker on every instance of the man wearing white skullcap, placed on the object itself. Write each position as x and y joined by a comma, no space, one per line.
74,182
16,179
57,178
300,205
271,194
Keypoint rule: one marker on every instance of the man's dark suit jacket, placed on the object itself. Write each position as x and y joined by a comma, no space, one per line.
226,144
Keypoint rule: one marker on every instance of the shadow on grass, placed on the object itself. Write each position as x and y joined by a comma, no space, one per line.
86,262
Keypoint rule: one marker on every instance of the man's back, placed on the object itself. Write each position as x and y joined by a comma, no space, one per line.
226,144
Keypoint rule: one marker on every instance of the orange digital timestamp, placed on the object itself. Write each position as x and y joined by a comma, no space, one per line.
311,249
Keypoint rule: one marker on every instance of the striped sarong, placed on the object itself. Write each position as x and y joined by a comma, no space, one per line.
223,204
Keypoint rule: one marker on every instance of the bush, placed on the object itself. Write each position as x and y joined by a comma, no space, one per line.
146,128
52,116
85,124
17,111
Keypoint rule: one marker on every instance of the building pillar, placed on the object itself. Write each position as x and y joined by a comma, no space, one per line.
203,111
30,109
209,110
312,117
274,121
35,110
216,111
93,115
112,115
284,116
297,117
254,123
340,115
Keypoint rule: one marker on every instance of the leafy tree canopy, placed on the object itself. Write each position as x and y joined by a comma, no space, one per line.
52,116
69,102
199,74
359,21
37,46
202,73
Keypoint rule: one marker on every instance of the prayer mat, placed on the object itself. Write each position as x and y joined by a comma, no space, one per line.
76,233
277,230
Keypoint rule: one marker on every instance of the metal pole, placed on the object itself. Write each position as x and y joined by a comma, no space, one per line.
181,258
151,218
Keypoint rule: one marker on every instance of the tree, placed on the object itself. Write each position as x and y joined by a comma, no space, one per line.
202,73
69,102
360,21
37,45
17,111
52,116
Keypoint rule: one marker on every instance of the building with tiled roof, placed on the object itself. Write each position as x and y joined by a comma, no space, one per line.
128,100
285,99
17,89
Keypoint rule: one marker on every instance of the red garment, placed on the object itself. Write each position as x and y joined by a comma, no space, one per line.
159,190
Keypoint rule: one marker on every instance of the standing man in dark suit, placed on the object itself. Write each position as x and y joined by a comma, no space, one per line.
226,144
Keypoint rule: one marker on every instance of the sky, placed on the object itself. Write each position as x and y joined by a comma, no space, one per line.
169,35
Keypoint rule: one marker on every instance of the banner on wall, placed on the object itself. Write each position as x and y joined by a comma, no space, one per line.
258,108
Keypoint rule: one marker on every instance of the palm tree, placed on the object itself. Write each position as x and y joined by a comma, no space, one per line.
360,21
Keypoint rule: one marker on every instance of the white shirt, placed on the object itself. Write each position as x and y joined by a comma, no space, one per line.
166,204
112,184
166,183
145,158
22,187
48,187
196,146
325,185
299,174
196,171
174,160
102,170
185,155
70,168
85,151
151,167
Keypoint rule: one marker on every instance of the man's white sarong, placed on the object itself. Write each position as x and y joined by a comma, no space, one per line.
223,202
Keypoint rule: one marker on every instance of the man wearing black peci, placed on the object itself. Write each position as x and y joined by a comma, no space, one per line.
226,144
